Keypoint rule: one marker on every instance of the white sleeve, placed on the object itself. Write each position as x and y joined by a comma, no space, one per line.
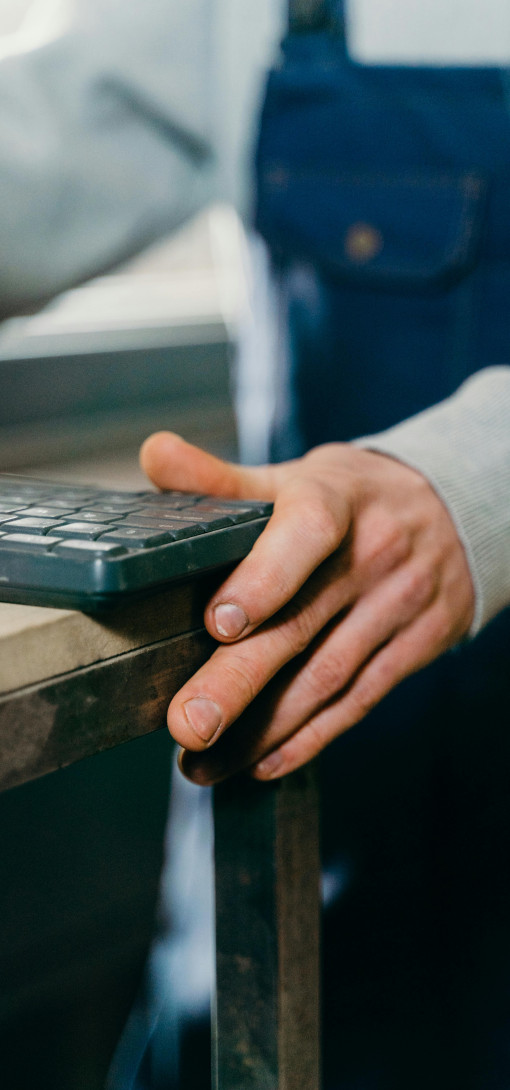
463,447
115,126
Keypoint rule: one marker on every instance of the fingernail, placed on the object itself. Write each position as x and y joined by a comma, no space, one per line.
269,765
230,620
204,717
193,771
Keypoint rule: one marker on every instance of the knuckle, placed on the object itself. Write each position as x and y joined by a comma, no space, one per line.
324,676
243,677
312,739
271,585
299,628
417,586
364,698
388,544
320,521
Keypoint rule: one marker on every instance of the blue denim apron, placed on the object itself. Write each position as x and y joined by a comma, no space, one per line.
384,198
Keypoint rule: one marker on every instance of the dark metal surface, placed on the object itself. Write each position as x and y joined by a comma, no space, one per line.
266,1026
61,387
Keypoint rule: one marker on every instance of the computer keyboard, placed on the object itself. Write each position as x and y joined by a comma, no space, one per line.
88,548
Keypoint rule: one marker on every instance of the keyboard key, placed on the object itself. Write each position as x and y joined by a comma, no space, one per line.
66,504
87,514
105,496
179,527
191,516
226,506
84,550
28,542
136,537
82,529
23,499
33,525
49,512
25,486
114,509
237,512
175,500
72,496
6,508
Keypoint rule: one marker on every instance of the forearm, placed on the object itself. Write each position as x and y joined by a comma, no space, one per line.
462,446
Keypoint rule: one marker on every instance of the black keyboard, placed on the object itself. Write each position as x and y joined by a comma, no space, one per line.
88,548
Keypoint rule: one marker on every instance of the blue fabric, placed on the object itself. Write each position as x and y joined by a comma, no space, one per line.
383,195
420,157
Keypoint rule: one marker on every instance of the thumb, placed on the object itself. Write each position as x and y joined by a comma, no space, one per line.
170,462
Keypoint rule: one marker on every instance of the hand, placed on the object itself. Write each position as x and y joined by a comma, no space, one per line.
358,580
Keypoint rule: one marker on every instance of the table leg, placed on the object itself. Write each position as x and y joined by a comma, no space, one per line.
266,1019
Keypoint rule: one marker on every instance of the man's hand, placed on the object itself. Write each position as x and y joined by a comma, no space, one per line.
358,580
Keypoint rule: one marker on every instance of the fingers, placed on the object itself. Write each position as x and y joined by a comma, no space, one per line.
408,652
253,741
222,689
335,659
341,652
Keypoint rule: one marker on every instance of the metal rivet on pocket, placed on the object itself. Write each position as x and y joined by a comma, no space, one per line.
363,242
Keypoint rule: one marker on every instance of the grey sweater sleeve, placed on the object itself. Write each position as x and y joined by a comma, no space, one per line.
107,137
120,120
463,447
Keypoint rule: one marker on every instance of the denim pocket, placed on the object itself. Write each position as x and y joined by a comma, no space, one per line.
386,231
380,279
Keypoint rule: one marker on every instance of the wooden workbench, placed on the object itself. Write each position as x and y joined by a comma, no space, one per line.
72,686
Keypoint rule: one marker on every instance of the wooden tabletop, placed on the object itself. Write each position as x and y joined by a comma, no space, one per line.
72,685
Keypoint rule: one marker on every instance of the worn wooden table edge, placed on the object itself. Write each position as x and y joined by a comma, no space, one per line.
64,719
